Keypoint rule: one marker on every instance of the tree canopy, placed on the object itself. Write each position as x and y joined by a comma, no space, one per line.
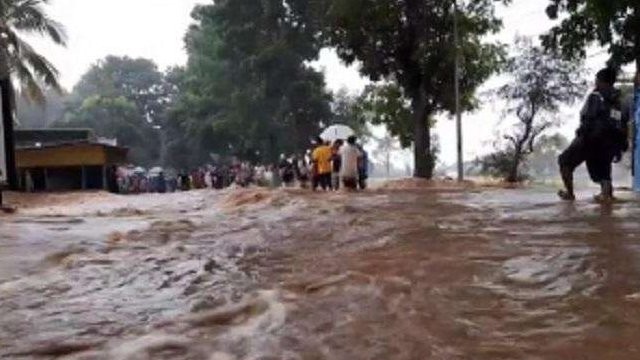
22,64
410,44
248,90
137,80
540,83
611,24
18,59
123,98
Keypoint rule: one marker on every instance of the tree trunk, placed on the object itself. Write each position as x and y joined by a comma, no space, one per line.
422,136
515,166
388,165
6,96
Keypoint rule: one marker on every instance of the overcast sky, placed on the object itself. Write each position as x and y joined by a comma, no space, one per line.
155,28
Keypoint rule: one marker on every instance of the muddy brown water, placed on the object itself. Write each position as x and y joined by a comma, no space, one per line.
389,274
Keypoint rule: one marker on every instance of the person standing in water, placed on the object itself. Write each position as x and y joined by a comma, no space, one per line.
321,158
350,158
302,171
600,140
363,168
336,163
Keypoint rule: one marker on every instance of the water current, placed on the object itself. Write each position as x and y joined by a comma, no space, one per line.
397,273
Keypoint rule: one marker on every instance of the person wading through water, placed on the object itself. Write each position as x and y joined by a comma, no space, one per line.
321,157
336,163
600,140
350,159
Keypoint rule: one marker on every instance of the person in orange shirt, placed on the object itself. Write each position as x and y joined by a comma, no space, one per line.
321,157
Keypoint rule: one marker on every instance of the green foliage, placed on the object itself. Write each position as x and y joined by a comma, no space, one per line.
541,164
137,80
499,165
21,64
387,105
410,45
18,59
540,83
127,99
117,117
247,90
611,24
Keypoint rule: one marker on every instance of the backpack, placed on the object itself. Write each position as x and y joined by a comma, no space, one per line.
610,121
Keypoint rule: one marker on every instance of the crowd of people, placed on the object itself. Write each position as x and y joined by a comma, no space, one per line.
339,164
328,166
136,180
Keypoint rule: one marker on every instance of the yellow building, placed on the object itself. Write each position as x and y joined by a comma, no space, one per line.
66,159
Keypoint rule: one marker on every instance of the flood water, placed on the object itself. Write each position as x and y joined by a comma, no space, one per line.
429,273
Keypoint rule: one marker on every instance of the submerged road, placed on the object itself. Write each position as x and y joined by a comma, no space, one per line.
403,272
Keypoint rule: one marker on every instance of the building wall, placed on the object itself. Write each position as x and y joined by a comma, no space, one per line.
69,178
68,167
77,155
63,178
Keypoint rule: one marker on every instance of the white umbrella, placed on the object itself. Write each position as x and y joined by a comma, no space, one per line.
156,171
139,170
337,132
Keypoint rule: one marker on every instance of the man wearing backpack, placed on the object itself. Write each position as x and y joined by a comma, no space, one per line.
600,140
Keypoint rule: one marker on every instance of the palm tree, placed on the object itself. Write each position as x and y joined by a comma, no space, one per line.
22,65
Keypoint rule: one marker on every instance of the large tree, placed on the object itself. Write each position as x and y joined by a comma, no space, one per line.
411,43
539,84
117,118
136,79
613,24
248,90
127,99
385,104
20,62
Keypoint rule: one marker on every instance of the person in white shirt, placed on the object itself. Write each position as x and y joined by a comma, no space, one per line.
350,155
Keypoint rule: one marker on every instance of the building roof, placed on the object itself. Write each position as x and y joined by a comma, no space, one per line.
78,144
78,153
45,137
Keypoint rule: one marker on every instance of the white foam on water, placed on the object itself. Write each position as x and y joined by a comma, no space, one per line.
144,346
258,333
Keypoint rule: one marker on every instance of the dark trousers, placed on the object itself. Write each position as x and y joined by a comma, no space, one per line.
350,183
598,153
323,181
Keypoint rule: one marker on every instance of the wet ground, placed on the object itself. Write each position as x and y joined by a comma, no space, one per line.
398,273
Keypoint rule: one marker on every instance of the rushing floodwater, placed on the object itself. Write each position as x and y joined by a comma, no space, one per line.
390,274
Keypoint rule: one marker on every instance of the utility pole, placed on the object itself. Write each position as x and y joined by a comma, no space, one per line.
636,122
456,37
6,126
